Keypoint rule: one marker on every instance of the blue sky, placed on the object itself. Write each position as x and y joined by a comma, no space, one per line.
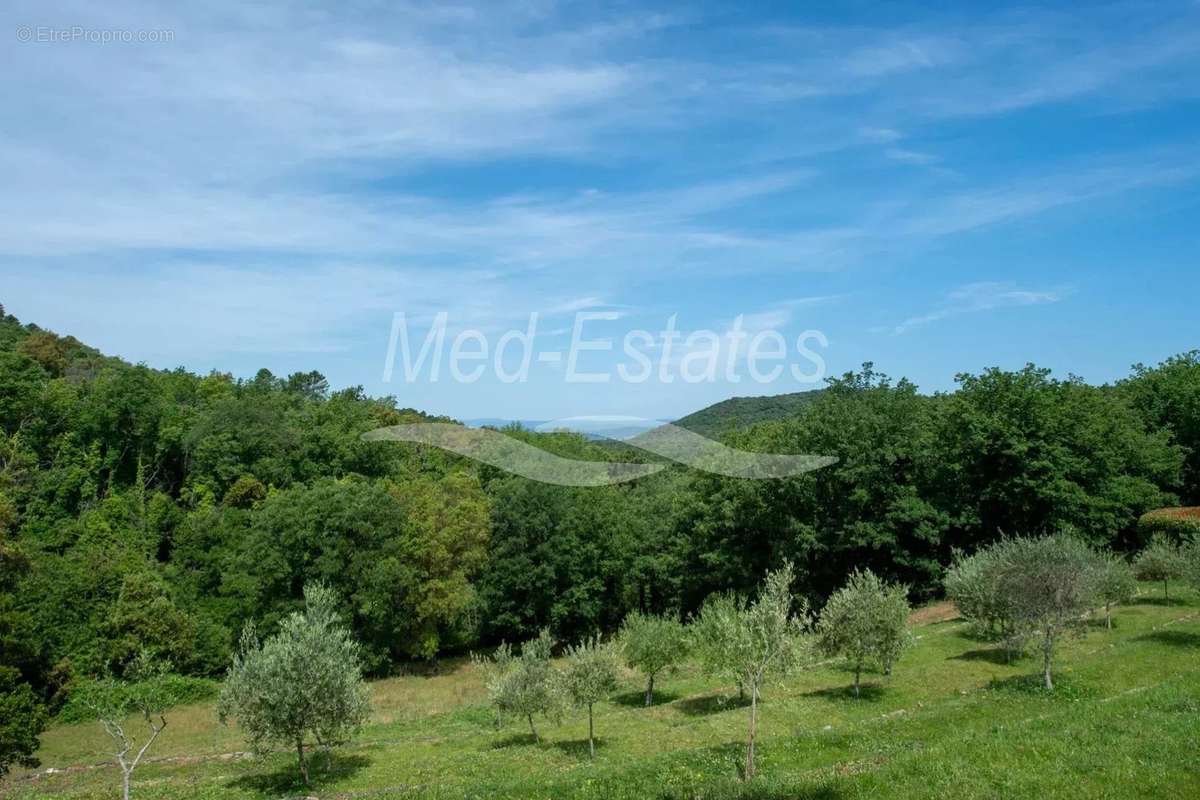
936,191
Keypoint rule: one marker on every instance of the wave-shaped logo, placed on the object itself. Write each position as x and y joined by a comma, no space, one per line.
665,440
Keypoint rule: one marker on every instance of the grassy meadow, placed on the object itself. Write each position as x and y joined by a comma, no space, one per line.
955,720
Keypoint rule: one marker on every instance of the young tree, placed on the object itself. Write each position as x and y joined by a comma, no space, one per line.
1190,557
653,644
113,702
1050,584
590,676
303,683
524,685
1159,561
1115,583
752,642
865,621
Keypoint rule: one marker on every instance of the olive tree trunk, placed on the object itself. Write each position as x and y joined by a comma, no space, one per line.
303,761
591,734
1047,654
753,727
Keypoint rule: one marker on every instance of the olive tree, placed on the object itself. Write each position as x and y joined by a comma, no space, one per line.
973,584
653,644
525,684
714,650
590,676
970,582
751,642
1050,585
1115,583
1161,560
866,621
143,697
1190,558
301,686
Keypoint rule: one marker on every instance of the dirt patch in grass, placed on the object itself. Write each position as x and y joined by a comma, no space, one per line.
938,612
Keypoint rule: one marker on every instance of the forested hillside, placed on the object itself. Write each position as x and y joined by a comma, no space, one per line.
742,412
156,510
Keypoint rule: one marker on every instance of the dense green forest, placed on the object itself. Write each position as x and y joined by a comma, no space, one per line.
143,509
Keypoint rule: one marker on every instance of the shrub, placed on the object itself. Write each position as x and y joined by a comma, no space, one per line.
1178,524
174,690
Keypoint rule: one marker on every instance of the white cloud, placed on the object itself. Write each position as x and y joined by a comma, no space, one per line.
983,296
320,162
907,156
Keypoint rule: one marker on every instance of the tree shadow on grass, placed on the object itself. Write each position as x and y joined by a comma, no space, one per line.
514,740
638,699
1173,638
762,790
867,692
992,655
1159,600
1067,687
769,785
711,704
285,780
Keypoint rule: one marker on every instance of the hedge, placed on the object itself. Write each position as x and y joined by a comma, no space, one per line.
1180,524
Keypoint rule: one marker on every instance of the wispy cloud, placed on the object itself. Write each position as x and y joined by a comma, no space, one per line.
907,156
976,297
495,159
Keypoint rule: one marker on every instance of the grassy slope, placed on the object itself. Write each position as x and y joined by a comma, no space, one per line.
954,721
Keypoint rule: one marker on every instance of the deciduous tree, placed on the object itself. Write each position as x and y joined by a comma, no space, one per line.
113,702
22,718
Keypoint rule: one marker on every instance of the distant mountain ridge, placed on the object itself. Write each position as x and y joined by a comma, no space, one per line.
596,429
742,412
711,421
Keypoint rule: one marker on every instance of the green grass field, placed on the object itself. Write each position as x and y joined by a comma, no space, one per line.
954,721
